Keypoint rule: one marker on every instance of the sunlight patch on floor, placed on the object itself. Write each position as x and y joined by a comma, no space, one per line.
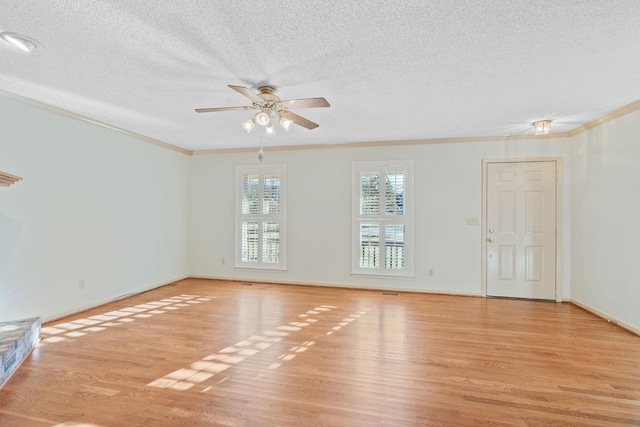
78,328
202,370
186,378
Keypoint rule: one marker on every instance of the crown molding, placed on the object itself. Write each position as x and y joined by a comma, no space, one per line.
622,111
385,143
79,117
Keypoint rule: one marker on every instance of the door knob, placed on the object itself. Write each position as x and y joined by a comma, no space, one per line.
490,239
491,230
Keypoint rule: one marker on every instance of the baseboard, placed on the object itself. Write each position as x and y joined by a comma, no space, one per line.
337,285
607,317
110,300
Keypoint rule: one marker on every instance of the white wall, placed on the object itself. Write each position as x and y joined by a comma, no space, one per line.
606,219
95,205
125,215
448,189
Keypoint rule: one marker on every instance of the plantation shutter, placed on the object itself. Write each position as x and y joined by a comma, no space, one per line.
381,220
261,217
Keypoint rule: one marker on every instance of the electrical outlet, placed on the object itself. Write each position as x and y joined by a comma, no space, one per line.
430,272
223,261
81,284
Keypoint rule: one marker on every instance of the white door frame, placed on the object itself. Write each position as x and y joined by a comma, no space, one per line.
558,162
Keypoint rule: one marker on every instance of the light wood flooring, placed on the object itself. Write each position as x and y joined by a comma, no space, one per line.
215,353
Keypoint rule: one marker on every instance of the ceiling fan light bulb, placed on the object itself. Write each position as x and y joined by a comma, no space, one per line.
248,125
270,130
285,123
262,118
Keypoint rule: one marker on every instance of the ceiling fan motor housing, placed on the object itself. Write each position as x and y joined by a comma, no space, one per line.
272,102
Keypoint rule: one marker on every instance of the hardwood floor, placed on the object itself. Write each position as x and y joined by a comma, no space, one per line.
213,353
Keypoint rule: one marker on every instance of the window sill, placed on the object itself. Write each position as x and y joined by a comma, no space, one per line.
259,268
406,275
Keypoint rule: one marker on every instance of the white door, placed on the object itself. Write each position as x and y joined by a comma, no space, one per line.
521,230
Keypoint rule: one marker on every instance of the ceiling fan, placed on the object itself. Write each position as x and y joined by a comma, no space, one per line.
270,105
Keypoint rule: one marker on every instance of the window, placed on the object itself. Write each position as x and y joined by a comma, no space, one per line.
382,218
261,217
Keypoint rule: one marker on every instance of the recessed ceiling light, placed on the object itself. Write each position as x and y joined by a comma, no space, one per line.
21,41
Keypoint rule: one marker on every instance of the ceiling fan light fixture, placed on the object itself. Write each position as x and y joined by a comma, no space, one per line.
285,123
267,105
20,41
270,130
248,124
542,127
262,118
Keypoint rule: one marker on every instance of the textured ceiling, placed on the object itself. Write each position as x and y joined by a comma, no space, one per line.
392,70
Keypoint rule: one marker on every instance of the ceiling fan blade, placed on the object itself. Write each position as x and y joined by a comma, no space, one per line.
299,120
306,103
246,92
211,110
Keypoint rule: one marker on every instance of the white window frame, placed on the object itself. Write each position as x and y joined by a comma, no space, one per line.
261,170
382,219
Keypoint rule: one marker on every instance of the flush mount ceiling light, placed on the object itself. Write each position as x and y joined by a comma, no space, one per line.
542,127
20,41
